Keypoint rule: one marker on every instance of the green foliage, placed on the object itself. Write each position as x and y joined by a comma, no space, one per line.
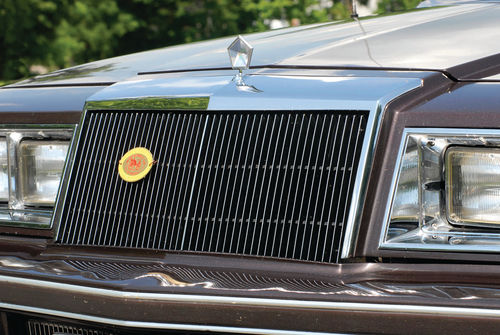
339,11
389,6
27,29
61,33
261,11
91,30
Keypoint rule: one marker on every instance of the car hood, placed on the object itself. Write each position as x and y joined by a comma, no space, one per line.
449,39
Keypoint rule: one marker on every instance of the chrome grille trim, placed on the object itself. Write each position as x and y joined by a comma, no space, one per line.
221,168
277,92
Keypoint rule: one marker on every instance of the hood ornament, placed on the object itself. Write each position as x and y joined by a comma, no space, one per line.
240,54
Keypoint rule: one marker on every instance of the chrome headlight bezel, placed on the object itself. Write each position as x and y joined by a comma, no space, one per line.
14,212
431,229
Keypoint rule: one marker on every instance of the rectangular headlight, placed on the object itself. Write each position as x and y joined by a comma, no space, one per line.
32,161
473,186
41,165
446,191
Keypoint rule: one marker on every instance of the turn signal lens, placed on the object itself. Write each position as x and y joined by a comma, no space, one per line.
4,171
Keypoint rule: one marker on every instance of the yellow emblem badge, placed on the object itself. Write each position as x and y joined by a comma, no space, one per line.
135,164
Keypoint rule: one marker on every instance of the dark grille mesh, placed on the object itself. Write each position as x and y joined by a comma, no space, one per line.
36,327
268,184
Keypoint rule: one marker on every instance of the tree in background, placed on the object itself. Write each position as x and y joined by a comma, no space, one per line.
92,29
61,33
169,22
27,30
388,6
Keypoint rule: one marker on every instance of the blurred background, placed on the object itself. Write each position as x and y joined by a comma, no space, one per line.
39,36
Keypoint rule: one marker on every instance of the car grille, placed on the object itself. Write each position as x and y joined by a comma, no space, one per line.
36,327
274,184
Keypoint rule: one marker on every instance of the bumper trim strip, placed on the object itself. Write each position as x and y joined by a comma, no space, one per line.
234,301
157,325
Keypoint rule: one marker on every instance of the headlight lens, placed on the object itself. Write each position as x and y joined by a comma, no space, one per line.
446,192
32,161
41,166
473,186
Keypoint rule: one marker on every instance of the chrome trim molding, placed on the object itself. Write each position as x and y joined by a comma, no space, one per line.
462,135
234,301
68,166
151,103
364,168
22,126
228,301
63,185
158,325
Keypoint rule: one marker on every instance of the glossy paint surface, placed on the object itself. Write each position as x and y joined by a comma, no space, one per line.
54,99
433,38
261,92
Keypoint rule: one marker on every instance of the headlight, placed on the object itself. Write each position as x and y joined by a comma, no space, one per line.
41,165
32,162
473,186
446,192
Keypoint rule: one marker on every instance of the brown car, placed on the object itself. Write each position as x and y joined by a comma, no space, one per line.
336,178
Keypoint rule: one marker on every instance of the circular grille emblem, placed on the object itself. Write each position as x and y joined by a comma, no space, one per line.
135,164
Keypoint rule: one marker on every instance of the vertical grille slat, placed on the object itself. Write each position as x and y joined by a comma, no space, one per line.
271,181
110,213
322,189
86,162
310,224
231,181
237,186
341,167
333,193
274,184
166,167
138,194
165,127
111,145
293,224
131,192
86,204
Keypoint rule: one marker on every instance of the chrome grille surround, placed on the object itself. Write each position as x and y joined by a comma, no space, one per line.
274,184
288,92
